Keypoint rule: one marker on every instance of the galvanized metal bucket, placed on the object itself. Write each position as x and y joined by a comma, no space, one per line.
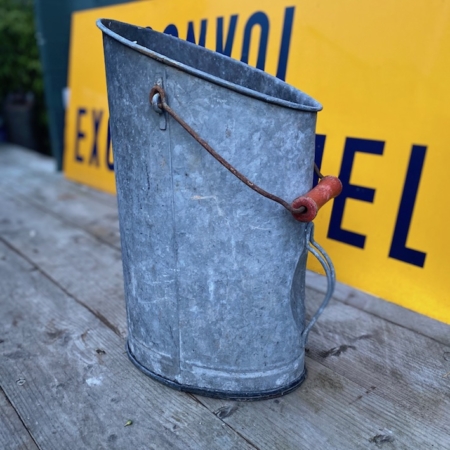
214,272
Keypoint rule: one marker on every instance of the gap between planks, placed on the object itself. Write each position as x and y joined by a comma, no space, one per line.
27,244
51,353
53,190
14,434
78,389
345,337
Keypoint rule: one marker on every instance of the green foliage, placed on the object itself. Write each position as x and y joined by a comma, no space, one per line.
20,68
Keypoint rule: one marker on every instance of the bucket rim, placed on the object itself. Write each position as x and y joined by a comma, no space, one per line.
315,107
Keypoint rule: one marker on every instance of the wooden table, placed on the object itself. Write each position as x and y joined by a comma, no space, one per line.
379,375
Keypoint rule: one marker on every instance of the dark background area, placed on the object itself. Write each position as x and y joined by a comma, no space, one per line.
23,113
34,55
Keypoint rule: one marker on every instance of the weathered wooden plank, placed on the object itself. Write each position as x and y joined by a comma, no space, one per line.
20,163
95,212
73,384
34,177
383,309
15,159
69,255
402,365
72,203
394,393
354,352
13,434
328,412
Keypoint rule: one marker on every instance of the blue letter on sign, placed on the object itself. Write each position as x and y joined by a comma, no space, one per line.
285,42
97,116
405,211
172,30
79,135
109,163
259,18
320,144
364,194
191,34
220,48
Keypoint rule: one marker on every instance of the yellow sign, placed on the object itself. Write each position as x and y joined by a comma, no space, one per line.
381,69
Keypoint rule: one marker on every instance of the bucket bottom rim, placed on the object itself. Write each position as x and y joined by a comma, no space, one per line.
213,393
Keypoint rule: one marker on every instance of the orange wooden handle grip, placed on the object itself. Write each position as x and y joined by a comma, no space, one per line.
328,188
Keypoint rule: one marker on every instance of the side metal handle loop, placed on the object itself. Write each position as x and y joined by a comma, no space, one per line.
327,265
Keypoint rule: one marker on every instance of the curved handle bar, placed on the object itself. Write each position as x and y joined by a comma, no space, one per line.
326,263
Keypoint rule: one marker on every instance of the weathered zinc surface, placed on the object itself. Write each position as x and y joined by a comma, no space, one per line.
214,272
378,375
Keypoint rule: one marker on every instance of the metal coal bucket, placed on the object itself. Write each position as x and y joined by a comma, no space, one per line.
214,271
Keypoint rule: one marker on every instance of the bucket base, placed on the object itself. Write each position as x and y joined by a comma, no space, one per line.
228,395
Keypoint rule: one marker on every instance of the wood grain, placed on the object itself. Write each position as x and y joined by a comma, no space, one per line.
387,355
35,181
70,268
375,381
13,434
328,412
77,388
404,366
33,177
68,255
385,310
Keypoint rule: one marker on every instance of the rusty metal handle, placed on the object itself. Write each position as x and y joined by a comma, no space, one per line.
157,99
